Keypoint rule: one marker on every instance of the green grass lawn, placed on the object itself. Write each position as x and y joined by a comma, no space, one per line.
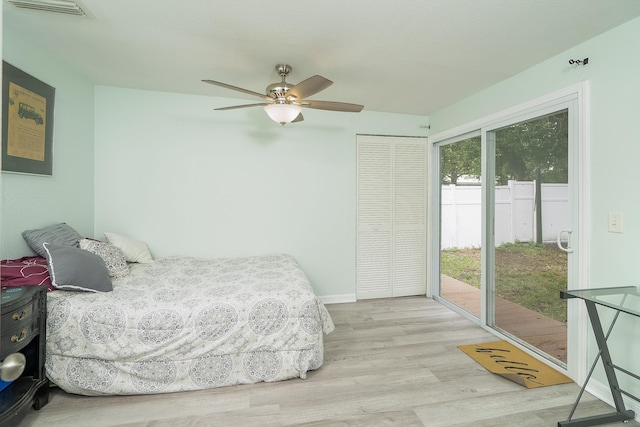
526,273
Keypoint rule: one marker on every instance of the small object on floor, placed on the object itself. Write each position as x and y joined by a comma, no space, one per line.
508,361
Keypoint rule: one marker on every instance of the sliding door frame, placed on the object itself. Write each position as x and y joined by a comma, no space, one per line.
435,245
577,320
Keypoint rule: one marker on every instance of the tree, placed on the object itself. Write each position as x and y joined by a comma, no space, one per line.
539,143
460,159
520,149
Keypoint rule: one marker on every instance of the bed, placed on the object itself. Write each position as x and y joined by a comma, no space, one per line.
184,323
122,323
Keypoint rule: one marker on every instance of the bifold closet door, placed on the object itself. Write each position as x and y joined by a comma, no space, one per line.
391,216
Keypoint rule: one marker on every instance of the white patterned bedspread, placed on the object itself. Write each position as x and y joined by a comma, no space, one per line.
185,324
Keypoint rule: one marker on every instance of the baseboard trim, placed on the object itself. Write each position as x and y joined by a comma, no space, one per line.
338,299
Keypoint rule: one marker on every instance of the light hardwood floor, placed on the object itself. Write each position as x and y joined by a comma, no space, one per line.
390,362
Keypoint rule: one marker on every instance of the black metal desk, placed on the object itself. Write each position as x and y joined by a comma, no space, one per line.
622,300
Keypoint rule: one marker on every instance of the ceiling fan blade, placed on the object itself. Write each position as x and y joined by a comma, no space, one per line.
310,86
234,107
333,106
239,89
298,119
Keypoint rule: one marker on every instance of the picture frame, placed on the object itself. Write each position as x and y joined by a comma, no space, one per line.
27,123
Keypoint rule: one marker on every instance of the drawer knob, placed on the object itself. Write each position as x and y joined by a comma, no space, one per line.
23,335
12,366
20,316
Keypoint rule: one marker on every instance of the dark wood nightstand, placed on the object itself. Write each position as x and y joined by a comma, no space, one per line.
23,326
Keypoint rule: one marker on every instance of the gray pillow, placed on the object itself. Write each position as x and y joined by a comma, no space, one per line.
57,234
75,269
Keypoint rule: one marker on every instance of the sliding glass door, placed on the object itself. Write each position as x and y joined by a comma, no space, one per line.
531,214
505,218
461,223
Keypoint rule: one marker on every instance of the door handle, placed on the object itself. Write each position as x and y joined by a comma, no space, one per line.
568,249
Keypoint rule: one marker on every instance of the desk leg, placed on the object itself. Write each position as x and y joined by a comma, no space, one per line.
621,413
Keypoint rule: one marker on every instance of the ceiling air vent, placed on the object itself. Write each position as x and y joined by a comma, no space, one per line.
66,7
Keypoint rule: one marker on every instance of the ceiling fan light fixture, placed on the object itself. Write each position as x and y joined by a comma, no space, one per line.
283,101
282,113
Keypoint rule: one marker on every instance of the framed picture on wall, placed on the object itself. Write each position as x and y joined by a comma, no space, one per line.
27,123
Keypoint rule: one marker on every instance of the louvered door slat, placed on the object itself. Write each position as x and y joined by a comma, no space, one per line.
374,214
409,218
374,184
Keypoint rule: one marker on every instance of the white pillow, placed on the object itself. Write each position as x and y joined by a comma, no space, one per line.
134,250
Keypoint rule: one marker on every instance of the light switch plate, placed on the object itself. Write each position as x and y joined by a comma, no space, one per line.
615,222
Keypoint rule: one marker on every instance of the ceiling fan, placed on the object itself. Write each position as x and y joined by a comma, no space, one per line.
284,101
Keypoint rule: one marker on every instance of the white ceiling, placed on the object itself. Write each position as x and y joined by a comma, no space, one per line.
402,56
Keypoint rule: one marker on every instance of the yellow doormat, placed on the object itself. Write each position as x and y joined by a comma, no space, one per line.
504,359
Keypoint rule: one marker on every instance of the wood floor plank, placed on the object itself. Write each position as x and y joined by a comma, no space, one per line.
390,362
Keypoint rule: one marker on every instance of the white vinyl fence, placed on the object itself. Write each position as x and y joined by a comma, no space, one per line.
515,216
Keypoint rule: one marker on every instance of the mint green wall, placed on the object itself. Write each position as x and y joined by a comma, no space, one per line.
30,201
615,149
192,181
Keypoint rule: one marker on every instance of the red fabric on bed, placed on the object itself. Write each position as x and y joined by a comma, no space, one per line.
25,271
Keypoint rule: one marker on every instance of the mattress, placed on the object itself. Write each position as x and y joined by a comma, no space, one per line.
184,323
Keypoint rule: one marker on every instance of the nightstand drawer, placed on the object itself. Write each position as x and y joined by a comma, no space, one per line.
20,335
19,324
18,316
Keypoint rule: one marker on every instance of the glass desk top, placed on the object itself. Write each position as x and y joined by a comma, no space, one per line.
624,298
